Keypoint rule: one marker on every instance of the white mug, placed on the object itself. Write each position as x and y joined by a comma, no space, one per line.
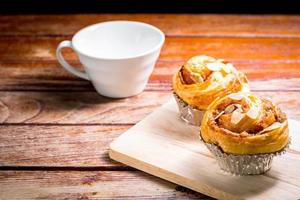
118,56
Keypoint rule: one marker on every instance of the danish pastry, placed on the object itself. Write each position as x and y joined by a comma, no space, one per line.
244,124
201,80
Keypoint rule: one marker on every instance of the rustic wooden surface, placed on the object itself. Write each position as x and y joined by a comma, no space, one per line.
55,129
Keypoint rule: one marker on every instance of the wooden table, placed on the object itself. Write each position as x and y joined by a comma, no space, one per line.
55,129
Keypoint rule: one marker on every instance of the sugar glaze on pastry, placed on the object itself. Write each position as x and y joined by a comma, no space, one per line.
202,79
242,123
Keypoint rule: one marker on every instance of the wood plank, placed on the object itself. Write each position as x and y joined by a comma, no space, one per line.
25,67
91,108
255,70
292,84
89,185
165,146
163,71
72,135
233,49
207,25
58,146
42,75
76,107
67,85
32,49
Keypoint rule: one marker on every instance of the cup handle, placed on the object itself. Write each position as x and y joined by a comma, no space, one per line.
64,63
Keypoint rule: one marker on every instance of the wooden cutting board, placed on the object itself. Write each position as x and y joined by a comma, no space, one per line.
164,146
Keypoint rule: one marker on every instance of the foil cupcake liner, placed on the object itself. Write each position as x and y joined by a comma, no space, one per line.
189,114
243,164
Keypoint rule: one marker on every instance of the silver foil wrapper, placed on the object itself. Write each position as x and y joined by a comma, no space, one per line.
243,164
189,114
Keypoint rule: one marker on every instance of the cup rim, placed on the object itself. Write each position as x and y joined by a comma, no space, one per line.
153,49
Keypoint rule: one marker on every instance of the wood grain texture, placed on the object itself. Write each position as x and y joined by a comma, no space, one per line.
254,69
232,49
162,135
91,108
76,107
73,136
163,71
207,25
89,185
58,146
32,49
291,84
30,64
14,84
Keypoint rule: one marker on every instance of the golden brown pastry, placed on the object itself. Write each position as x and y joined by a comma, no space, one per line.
202,79
242,123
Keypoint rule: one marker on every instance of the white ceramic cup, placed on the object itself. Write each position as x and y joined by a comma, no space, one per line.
118,56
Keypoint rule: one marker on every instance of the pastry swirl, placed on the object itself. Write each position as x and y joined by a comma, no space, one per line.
242,123
202,79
